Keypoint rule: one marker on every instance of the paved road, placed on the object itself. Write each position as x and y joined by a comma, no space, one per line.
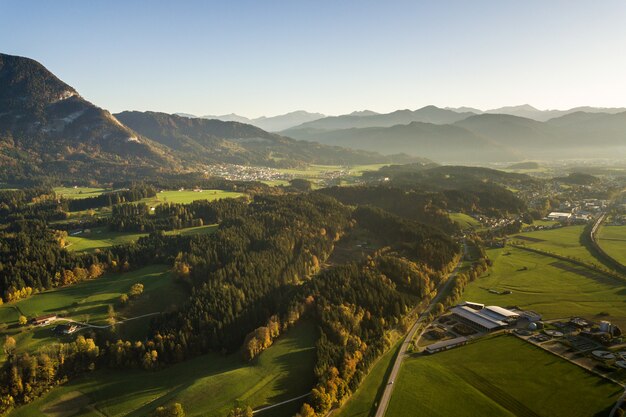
384,400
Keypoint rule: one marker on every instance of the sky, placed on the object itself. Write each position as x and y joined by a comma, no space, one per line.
268,57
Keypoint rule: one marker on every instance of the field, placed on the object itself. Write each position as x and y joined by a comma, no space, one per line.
464,221
554,288
100,237
187,196
613,240
363,402
563,241
78,192
206,386
499,376
88,301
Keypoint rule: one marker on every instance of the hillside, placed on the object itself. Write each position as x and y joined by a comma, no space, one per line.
487,138
214,141
439,142
45,121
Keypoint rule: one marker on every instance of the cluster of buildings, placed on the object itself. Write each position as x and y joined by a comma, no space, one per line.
578,211
484,319
245,173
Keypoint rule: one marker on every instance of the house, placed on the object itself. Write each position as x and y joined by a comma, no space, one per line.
44,320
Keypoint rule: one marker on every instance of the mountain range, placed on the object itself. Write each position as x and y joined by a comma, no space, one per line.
485,137
270,124
47,127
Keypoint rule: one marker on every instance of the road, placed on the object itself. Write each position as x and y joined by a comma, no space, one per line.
443,288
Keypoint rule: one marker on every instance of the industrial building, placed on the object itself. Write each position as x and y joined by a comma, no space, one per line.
486,319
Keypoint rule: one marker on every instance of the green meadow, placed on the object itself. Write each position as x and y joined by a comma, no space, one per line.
187,196
552,287
208,385
465,221
100,237
88,302
78,192
612,239
499,376
563,241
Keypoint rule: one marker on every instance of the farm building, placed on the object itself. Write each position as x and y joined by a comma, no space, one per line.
487,319
560,216
44,320
446,344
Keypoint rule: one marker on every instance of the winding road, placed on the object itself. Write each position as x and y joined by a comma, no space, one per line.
443,288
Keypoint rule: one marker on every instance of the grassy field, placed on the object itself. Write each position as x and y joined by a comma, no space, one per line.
563,241
364,401
100,237
549,286
206,386
187,196
499,376
464,221
88,301
78,192
613,240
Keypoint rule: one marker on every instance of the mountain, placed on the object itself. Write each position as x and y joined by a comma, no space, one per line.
530,112
446,143
428,114
285,121
209,141
273,123
45,122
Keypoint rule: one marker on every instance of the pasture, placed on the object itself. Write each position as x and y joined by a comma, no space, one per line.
78,192
100,237
564,241
552,287
88,302
612,239
187,196
499,376
208,385
465,221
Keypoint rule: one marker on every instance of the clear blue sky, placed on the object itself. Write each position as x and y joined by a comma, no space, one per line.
269,57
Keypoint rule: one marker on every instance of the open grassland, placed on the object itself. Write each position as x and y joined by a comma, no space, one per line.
89,301
100,237
465,221
552,287
564,241
206,386
364,401
187,196
612,239
499,376
79,192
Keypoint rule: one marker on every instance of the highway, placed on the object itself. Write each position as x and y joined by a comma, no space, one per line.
443,288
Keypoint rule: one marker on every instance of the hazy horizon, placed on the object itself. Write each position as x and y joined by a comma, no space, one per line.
267,59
